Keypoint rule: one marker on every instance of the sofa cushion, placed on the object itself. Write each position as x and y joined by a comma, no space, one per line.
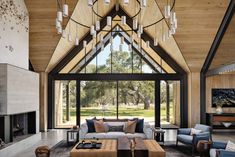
188,139
130,126
113,135
140,126
99,126
90,125
117,128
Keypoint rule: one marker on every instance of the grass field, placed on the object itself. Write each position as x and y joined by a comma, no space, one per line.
123,112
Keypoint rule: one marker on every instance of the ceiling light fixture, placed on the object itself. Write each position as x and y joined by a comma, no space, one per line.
168,20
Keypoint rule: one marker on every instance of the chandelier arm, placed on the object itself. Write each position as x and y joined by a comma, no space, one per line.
86,26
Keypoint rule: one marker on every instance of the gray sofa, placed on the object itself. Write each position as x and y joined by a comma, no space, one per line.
83,134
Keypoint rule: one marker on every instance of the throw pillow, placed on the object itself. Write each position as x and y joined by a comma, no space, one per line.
130,126
90,125
230,146
195,131
99,126
140,126
117,128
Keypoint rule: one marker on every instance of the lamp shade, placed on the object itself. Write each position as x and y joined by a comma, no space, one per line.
65,10
123,19
109,20
135,24
97,25
76,41
90,3
59,16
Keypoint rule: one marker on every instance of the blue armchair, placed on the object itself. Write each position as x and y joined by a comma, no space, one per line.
218,150
184,135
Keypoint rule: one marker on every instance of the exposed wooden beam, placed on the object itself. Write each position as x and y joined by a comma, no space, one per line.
222,29
220,70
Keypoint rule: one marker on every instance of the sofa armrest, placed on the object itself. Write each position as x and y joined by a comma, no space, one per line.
185,131
83,131
148,131
225,153
219,145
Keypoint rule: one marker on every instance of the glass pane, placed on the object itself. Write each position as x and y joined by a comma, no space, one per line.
65,103
103,60
98,99
91,67
170,103
146,68
137,63
136,100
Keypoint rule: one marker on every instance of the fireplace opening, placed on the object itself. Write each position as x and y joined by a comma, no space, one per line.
23,125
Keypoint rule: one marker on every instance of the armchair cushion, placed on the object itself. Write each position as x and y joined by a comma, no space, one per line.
225,153
195,131
185,131
201,136
230,146
187,139
219,145
203,128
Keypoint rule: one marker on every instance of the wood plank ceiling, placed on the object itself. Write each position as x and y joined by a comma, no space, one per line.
43,37
198,21
225,54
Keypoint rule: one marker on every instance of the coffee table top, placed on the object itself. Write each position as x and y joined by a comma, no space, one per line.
109,147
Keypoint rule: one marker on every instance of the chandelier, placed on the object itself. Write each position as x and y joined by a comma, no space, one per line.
168,17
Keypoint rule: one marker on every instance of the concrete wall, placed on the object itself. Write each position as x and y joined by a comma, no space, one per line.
14,35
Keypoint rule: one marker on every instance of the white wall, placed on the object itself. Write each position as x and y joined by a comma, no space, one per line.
14,35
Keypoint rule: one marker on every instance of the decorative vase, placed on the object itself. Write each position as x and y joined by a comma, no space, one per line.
219,110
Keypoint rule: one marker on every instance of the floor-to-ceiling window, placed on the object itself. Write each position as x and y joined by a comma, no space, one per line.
65,103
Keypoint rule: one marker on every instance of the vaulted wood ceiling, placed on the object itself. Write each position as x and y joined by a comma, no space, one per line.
198,22
225,54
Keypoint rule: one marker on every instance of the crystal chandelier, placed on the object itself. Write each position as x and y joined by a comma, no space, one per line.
167,22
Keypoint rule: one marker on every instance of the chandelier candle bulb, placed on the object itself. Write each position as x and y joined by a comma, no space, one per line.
84,43
139,34
90,3
130,47
143,3
168,11
135,24
92,29
102,47
141,29
175,24
101,38
120,47
59,30
122,40
65,10
64,33
76,41
109,20
123,20
107,2
94,35
163,37
147,44
155,41
59,16
97,25
126,2
69,37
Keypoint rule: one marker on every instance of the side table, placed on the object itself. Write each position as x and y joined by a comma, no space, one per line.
158,134
72,136
203,147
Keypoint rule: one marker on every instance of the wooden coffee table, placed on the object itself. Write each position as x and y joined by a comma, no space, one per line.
154,149
108,149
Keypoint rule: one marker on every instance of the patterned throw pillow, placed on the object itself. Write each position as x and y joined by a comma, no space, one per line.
230,146
117,128
130,126
99,126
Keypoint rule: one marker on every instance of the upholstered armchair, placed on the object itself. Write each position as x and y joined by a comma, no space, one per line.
218,150
184,135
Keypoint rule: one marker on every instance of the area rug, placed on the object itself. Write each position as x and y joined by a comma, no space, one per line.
61,149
